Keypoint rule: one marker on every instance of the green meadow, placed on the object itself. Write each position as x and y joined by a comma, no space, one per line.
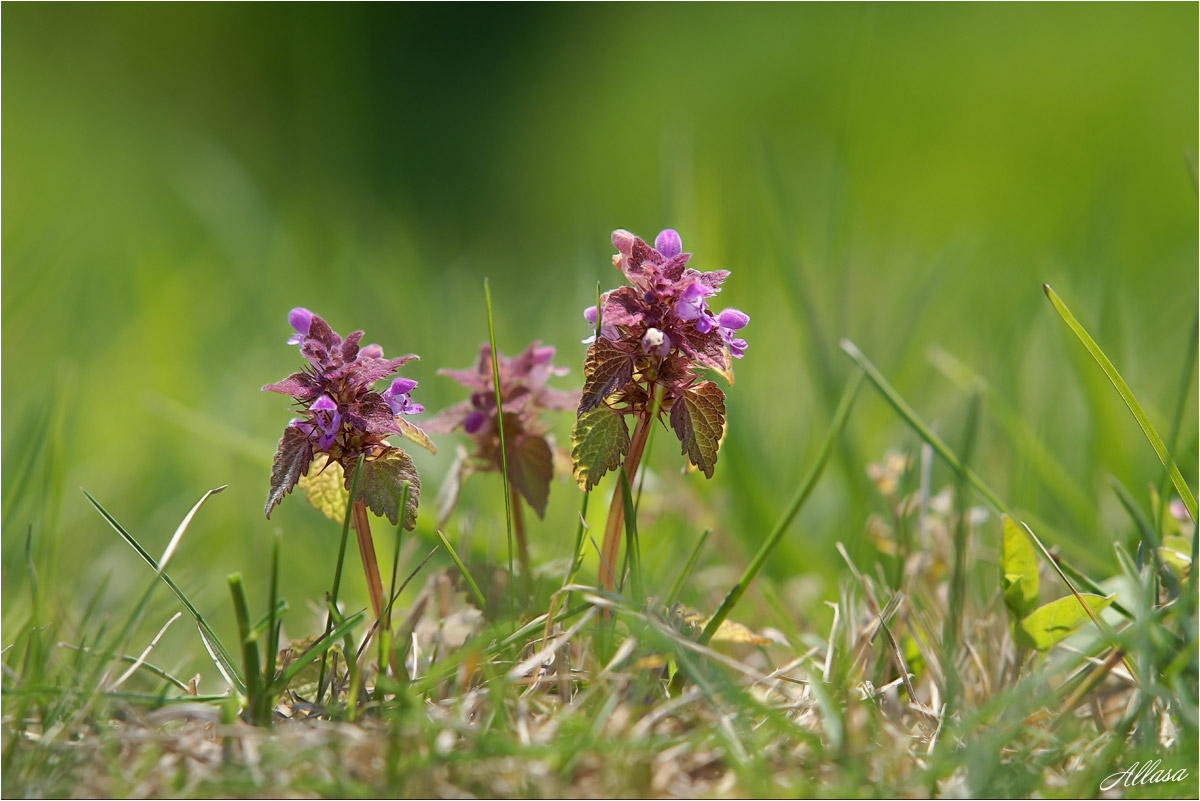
890,186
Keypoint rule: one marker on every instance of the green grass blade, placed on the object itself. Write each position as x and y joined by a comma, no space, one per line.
462,568
1139,414
337,569
913,419
952,633
806,487
508,499
1056,478
918,425
319,648
219,649
249,643
632,552
686,571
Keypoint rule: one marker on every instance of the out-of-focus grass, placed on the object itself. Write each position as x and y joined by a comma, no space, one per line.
177,178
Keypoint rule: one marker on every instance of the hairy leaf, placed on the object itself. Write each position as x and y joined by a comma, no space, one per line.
301,385
292,458
530,468
1018,570
1050,624
325,488
382,485
606,369
599,442
698,417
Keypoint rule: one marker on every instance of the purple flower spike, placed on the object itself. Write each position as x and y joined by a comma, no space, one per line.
733,319
668,243
301,320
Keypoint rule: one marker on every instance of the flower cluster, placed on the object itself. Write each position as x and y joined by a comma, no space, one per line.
523,396
657,336
343,417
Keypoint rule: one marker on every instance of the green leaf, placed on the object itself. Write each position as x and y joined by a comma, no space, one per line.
698,417
1048,625
325,488
292,458
530,468
1018,570
606,369
599,442
382,486
1139,414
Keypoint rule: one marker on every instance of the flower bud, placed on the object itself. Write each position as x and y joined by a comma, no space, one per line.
668,243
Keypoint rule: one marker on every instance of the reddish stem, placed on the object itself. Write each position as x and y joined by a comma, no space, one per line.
611,545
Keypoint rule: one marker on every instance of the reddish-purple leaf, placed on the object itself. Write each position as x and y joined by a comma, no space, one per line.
298,385
530,468
292,459
607,368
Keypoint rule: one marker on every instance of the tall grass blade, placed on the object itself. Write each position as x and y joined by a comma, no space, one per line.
213,642
1139,414
958,580
918,425
462,568
632,551
685,572
508,499
840,416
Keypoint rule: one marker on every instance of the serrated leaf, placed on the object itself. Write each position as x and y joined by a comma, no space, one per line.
698,417
599,442
1018,570
382,486
530,468
606,369
325,488
1052,623
415,435
292,458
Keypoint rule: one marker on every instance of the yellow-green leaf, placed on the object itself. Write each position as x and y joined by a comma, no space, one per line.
415,435
599,442
325,488
1018,570
1054,622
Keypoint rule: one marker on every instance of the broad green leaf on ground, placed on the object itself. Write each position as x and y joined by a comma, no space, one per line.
599,442
1050,624
1018,570
382,486
530,468
415,435
698,417
325,488
292,458
606,369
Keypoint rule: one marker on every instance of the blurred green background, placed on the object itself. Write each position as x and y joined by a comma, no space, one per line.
178,176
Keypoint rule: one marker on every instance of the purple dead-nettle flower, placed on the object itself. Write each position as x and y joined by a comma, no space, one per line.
659,336
524,395
343,417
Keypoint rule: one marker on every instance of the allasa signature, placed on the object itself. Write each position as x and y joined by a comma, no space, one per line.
1149,773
